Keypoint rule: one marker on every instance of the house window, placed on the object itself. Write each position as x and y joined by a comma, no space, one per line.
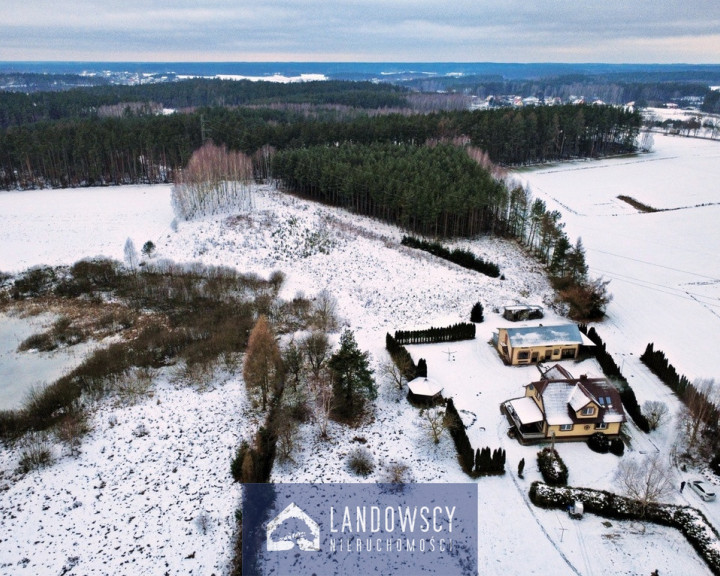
600,426
556,351
588,411
566,427
523,355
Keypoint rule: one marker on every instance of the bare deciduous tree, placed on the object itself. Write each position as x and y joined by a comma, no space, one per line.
655,413
214,179
701,399
325,308
648,480
433,420
321,391
394,372
317,348
286,429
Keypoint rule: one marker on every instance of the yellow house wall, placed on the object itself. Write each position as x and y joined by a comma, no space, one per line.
579,413
539,350
579,430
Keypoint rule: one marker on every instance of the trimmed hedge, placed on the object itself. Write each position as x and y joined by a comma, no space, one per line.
402,357
461,331
659,365
691,523
612,371
463,258
552,467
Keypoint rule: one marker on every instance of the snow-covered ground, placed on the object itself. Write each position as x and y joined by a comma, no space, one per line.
664,266
130,503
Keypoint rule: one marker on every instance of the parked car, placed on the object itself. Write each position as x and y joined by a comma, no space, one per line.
702,489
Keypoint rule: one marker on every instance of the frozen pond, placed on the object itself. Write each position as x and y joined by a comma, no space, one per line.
21,371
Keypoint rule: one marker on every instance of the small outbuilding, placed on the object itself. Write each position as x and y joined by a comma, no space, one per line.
522,312
424,391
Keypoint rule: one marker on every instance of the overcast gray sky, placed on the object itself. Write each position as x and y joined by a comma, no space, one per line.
645,31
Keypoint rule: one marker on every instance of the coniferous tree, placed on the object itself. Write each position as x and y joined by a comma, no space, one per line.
262,369
422,370
352,377
476,314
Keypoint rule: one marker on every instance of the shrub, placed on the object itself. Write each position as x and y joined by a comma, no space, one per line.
552,467
71,428
397,473
489,463
42,342
35,452
715,464
361,462
237,461
599,442
617,446
33,282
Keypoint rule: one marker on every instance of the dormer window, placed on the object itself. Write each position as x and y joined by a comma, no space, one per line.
588,411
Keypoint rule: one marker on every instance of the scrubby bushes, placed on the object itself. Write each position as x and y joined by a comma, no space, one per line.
192,314
552,467
361,462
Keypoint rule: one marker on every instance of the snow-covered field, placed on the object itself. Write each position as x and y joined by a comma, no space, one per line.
133,503
664,266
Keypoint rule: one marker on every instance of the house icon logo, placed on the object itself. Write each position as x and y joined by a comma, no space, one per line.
307,541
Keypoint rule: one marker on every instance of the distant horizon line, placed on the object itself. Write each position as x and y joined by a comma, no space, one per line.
461,62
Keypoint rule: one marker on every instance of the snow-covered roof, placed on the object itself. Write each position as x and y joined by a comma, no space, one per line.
525,336
516,307
555,401
578,399
424,387
526,410
556,372
562,398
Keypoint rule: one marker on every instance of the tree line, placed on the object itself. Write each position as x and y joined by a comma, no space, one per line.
17,108
83,150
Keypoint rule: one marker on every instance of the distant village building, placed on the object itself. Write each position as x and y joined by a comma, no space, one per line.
565,408
531,344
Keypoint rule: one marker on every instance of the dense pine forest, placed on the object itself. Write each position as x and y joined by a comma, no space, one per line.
118,134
